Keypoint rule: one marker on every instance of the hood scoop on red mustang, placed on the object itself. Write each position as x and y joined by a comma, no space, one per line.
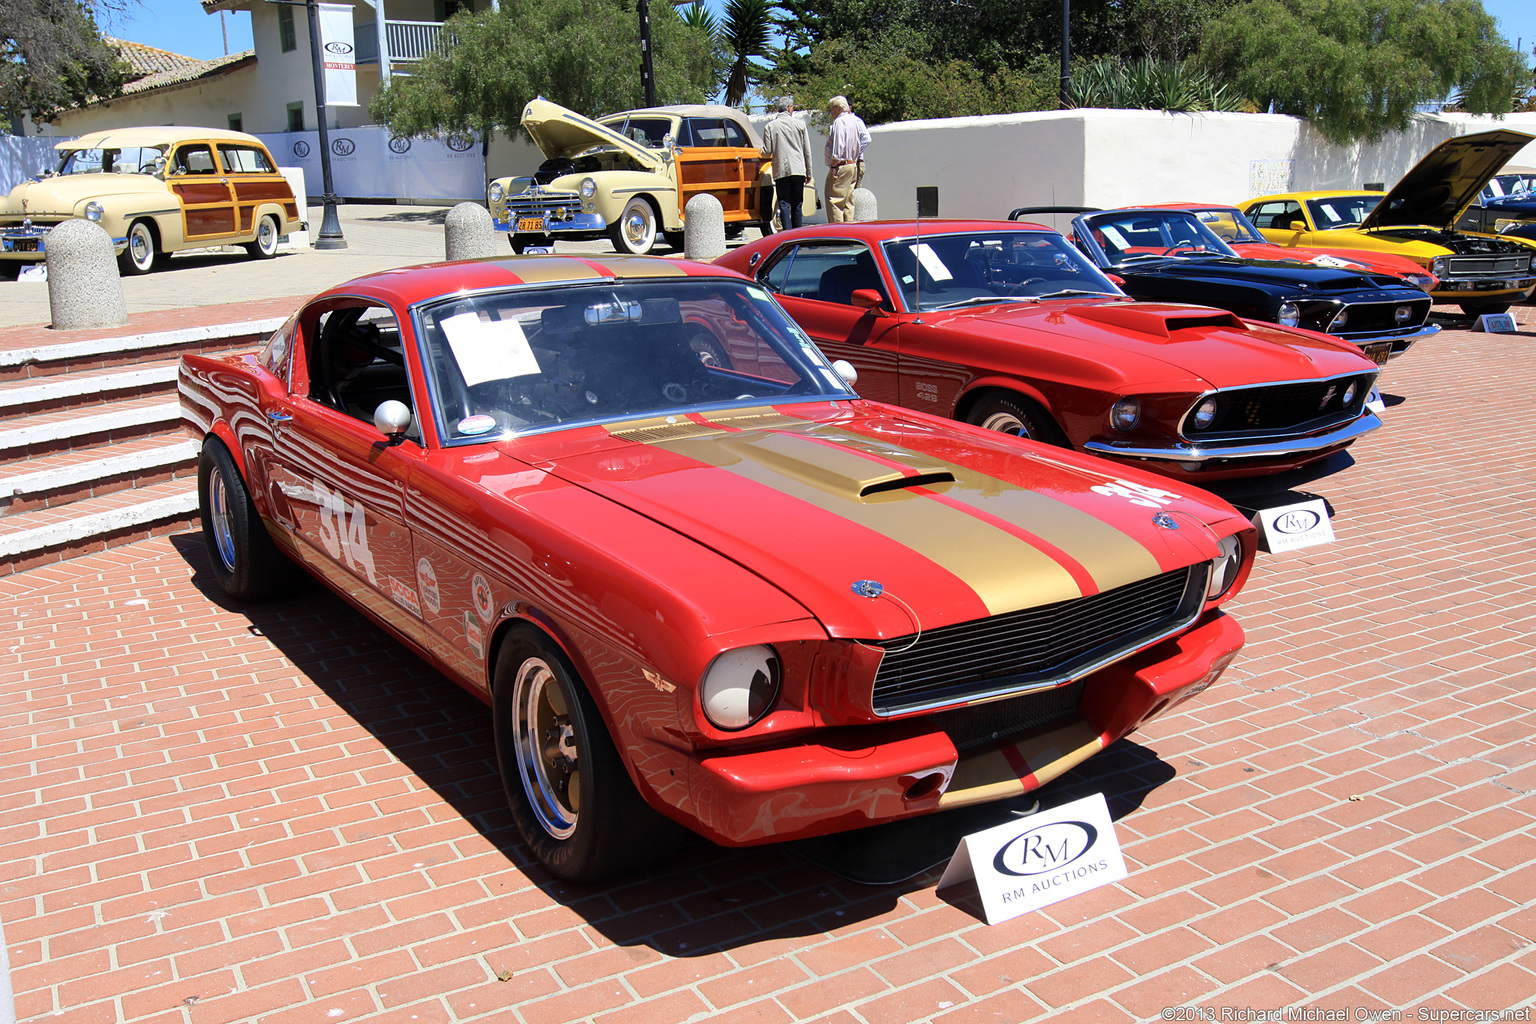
1154,319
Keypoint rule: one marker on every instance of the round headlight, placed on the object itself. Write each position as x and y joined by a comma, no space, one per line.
496,193
588,188
93,210
1289,315
1224,567
1438,265
1205,414
1125,414
1402,314
1349,395
1423,282
1340,320
740,686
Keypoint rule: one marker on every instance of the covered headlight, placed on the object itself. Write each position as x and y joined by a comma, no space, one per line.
588,188
1340,320
1402,314
1224,567
93,210
1125,414
1423,282
1289,314
1349,395
496,193
740,686
1205,414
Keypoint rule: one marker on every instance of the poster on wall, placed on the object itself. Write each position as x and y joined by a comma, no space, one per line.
338,54
1269,177
369,163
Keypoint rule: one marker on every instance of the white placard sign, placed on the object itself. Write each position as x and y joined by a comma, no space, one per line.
1496,323
1302,525
488,351
1024,865
338,54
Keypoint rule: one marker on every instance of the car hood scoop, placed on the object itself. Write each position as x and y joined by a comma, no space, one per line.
955,527
1146,318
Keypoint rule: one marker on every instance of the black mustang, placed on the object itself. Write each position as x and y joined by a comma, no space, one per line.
1171,256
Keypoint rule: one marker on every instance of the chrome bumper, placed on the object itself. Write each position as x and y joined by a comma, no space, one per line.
1196,453
1485,284
580,222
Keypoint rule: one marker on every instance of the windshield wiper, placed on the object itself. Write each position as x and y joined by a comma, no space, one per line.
979,299
1074,291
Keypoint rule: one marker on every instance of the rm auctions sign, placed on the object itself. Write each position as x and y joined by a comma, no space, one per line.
1039,860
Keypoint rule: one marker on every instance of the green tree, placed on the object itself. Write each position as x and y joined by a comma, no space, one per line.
1358,69
582,54
52,56
744,36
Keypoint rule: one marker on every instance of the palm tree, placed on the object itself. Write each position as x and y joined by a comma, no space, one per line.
745,36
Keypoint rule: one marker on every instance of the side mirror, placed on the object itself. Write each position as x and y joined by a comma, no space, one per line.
392,419
1117,280
159,170
846,371
867,298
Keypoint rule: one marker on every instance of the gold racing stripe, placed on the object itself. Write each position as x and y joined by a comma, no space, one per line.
1009,769
637,266
1006,572
1112,557
533,270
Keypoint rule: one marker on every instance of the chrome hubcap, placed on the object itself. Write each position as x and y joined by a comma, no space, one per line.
222,520
637,228
547,759
266,235
139,244
1006,423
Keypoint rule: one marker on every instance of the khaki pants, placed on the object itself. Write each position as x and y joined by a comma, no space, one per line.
841,181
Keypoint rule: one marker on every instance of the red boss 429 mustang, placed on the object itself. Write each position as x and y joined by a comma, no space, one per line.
627,503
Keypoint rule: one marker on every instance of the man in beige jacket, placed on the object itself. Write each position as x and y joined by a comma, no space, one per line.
788,145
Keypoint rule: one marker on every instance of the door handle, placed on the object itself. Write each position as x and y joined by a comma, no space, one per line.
278,417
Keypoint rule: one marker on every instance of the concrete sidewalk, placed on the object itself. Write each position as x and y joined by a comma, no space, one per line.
273,813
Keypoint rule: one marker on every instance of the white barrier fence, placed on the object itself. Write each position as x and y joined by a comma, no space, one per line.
22,156
367,163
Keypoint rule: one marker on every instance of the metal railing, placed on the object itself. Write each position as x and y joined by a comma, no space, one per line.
407,40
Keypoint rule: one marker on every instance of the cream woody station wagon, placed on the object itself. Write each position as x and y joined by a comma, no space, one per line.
155,191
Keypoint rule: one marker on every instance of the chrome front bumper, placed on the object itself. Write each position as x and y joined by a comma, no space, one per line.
1268,449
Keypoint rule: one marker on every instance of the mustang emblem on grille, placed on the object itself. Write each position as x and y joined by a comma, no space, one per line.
1166,521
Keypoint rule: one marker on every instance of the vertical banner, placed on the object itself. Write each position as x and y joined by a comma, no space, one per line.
338,54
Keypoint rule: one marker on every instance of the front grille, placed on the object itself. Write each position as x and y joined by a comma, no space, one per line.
1278,408
1488,266
1373,317
550,205
980,724
1035,647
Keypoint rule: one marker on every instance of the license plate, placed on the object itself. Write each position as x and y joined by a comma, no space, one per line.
533,225
1379,354
24,245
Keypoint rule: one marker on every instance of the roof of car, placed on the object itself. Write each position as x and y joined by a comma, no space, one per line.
410,285
1326,193
877,230
155,135
685,110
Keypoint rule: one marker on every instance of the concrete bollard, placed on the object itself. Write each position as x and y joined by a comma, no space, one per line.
864,207
84,287
703,228
467,233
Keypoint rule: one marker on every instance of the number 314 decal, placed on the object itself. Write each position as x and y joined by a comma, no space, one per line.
344,531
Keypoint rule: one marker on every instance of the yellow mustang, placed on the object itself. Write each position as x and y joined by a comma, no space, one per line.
1482,273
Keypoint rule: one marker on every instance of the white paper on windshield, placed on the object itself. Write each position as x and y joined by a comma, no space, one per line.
487,350
931,263
1114,236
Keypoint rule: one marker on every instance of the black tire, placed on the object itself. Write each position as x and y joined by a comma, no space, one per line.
1479,308
143,251
1008,413
264,247
248,566
637,227
568,791
520,243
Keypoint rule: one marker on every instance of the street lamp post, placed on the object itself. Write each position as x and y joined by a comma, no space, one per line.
1066,54
330,236
647,72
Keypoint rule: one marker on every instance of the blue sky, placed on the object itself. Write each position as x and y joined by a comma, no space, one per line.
181,26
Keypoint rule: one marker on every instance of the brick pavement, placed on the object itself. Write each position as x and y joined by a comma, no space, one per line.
211,813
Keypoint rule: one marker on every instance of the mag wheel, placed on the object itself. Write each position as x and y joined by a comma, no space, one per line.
1016,415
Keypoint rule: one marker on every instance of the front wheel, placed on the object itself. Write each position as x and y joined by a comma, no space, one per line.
1018,416
265,245
568,791
1480,308
635,230
248,566
142,251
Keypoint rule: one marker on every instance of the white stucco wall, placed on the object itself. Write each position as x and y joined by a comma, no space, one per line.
206,103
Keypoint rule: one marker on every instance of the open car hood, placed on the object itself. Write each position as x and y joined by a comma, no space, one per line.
1441,186
561,132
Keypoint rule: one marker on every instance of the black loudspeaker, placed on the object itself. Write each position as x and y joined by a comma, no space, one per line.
928,200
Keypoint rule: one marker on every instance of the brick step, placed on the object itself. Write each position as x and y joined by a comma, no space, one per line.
83,389
31,539
51,481
44,433
50,359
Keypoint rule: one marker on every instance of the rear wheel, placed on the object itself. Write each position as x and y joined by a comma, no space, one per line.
568,791
248,566
1008,413
265,245
1479,308
636,229
143,249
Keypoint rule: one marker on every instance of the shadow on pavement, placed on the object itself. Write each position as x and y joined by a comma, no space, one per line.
707,898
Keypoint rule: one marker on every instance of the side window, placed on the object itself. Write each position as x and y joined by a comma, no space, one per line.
734,135
356,362
245,160
829,271
195,159
1275,216
287,36
707,131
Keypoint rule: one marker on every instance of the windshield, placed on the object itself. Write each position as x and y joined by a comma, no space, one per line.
1229,224
129,160
1508,186
1341,211
520,361
1126,236
650,132
977,267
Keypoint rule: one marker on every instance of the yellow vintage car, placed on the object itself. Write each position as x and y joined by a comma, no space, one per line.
1482,273
628,176
155,190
